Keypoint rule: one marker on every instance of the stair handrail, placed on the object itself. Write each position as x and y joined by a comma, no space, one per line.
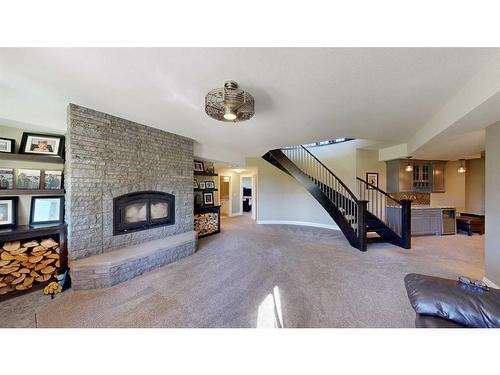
353,196
380,190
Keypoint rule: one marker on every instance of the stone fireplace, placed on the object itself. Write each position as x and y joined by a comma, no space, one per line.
129,197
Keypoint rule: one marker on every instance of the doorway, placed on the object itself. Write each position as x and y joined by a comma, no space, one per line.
248,196
225,196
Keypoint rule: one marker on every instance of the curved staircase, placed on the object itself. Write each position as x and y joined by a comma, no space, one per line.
370,216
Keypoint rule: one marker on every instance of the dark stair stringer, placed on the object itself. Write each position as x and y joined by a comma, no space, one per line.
353,219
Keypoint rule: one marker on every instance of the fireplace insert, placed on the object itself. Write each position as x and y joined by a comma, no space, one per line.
142,210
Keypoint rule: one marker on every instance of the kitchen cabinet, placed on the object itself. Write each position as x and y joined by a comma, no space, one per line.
427,176
438,177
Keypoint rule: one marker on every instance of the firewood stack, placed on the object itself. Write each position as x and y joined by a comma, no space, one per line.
206,223
24,264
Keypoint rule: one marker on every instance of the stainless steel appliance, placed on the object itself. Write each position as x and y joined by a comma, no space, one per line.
449,221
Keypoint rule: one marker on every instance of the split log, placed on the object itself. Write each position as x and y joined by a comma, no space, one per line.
16,274
43,278
24,270
22,258
28,281
6,271
6,256
8,279
5,290
34,274
19,279
58,264
22,287
48,243
35,259
53,256
19,251
39,266
12,245
4,263
47,261
31,244
2,284
28,265
48,269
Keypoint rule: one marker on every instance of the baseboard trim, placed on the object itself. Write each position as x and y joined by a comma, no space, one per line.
236,214
303,223
490,283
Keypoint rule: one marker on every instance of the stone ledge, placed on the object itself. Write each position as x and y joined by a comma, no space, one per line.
108,269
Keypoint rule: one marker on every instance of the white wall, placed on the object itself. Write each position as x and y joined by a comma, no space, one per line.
282,199
492,203
454,183
474,186
367,161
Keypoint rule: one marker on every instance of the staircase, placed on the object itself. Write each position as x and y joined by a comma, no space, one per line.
370,216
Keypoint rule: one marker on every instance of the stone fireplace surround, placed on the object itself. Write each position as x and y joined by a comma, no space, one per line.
107,157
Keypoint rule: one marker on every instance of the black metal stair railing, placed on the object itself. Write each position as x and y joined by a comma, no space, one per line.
393,213
332,187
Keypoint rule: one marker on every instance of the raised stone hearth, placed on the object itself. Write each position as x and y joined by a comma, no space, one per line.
108,269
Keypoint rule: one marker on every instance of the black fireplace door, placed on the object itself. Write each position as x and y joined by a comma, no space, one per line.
142,210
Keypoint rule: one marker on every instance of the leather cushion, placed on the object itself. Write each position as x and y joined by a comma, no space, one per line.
427,321
449,299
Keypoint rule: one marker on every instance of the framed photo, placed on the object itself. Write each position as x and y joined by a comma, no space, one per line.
210,184
195,184
7,145
208,199
8,212
372,178
6,178
209,168
52,180
42,144
28,179
47,210
198,166
202,185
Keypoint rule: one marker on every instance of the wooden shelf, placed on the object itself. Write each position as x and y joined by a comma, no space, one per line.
205,190
5,192
198,173
32,157
25,231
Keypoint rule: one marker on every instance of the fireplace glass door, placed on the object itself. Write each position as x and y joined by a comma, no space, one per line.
143,210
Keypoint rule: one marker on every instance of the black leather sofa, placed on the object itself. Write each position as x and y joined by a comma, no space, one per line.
444,303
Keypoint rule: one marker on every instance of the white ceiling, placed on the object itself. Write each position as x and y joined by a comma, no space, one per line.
301,94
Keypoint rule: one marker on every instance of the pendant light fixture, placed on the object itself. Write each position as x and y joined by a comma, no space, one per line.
409,167
461,169
229,103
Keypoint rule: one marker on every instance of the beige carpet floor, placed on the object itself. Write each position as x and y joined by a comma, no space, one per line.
262,275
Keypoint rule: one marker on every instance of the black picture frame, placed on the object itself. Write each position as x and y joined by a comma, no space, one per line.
210,184
195,184
12,145
198,166
33,207
14,202
208,202
26,136
202,185
370,177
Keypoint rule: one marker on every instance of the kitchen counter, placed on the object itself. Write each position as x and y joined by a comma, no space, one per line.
433,220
